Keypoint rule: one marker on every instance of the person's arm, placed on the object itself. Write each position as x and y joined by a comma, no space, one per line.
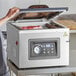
11,13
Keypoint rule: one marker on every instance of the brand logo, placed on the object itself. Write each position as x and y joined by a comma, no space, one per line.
65,34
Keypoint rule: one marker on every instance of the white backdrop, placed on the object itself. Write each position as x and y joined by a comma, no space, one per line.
62,3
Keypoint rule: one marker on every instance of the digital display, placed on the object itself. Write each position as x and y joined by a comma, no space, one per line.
47,45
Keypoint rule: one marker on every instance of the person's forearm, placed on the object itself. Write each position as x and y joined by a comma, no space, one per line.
3,20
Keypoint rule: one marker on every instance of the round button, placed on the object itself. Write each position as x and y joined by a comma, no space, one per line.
37,50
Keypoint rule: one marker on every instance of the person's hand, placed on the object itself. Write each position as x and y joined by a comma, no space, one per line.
12,12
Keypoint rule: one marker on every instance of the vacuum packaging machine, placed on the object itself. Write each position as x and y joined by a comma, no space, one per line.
35,39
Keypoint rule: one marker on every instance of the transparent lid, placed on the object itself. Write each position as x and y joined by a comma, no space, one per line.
38,13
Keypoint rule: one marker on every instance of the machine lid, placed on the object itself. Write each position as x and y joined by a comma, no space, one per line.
38,13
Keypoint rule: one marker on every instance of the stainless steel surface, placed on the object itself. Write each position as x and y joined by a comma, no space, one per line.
41,71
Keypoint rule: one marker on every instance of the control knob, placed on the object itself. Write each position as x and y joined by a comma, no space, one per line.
37,49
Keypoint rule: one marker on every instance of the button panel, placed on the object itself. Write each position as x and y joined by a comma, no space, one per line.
42,49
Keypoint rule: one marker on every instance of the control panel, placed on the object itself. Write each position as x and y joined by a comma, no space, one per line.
44,48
